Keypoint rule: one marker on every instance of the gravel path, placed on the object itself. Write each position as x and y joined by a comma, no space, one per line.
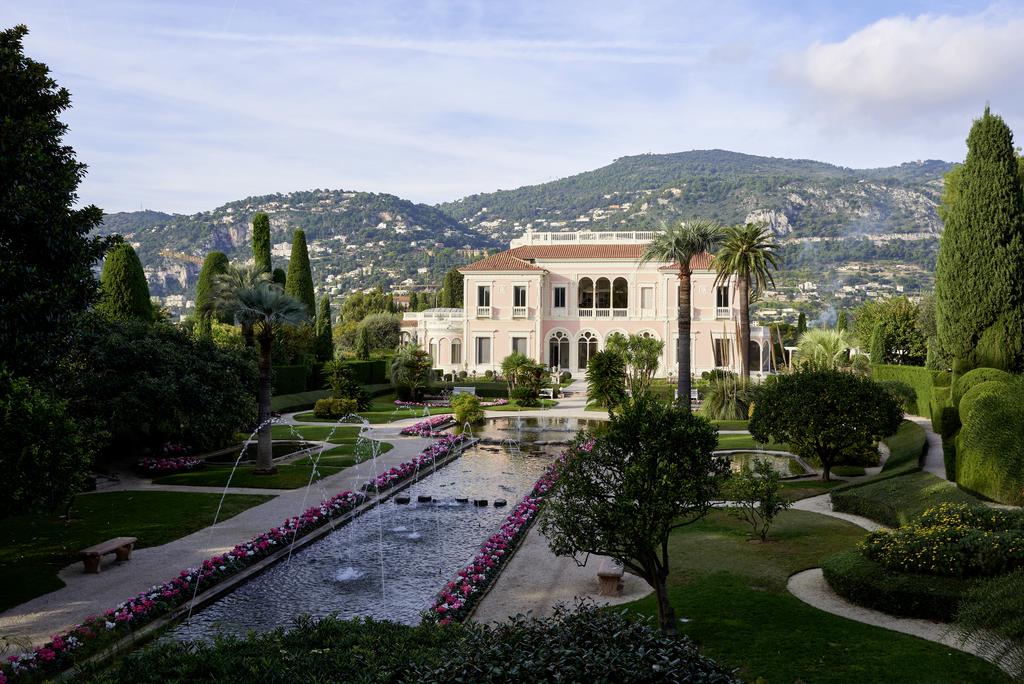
934,461
822,504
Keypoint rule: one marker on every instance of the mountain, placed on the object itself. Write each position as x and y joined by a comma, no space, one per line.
356,239
799,198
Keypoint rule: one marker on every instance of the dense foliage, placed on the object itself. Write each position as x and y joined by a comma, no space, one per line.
586,645
341,378
990,445
323,328
623,490
828,416
979,305
640,355
215,264
261,242
46,254
382,332
894,327
410,371
467,409
606,379
299,283
124,292
123,369
990,617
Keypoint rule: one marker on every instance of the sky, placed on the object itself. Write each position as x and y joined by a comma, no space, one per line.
181,106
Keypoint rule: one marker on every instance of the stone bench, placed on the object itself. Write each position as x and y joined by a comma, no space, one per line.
122,546
609,577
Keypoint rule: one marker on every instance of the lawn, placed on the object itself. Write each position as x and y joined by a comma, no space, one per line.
746,442
731,424
733,592
905,447
318,433
288,476
513,405
346,455
794,490
34,547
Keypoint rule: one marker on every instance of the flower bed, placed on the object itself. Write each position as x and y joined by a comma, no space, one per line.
154,467
426,428
439,449
445,403
100,631
458,597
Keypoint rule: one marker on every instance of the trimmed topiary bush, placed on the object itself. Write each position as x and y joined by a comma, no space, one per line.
897,500
990,447
335,408
867,583
975,377
1000,388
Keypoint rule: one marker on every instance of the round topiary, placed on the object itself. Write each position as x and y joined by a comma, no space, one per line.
976,377
972,396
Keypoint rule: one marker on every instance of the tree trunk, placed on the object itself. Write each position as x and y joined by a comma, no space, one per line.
743,289
683,350
666,613
265,452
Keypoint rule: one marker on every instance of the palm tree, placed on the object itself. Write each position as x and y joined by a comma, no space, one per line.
826,348
678,244
747,254
233,279
261,307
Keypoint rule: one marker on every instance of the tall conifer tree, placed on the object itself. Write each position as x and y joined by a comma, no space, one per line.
300,279
979,301
324,328
261,242
124,292
214,264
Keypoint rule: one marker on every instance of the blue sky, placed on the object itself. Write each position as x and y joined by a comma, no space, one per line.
182,106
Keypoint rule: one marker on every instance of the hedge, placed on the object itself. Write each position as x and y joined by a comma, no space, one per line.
921,379
949,457
896,500
976,377
290,379
990,448
490,390
372,372
866,583
286,403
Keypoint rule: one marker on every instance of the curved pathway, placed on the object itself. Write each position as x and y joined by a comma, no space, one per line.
934,460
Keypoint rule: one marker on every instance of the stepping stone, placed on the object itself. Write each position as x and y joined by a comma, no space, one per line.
402,499
424,498
498,503
479,502
462,499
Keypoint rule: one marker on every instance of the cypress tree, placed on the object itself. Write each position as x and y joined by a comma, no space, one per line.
124,292
414,301
261,242
300,279
801,325
214,264
878,346
841,323
324,328
451,293
979,303
362,348
280,277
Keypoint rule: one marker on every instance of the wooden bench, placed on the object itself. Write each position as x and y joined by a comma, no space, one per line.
122,546
609,577
547,393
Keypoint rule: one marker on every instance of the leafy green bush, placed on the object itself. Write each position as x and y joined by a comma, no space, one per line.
590,645
606,379
467,409
334,408
906,447
897,499
728,397
949,457
866,583
756,490
976,377
341,378
564,377
984,389
525,396
990,445
954,540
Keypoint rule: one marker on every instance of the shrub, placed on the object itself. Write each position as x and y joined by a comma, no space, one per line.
903,393
866,583
488,374
976,377
606,379
525,396
467,409
728,397
565,377
989,616
463,375
990,446
341,378
949,457
335,408
756,490
984,389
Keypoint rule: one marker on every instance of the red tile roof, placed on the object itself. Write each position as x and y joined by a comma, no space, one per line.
519,258
503,261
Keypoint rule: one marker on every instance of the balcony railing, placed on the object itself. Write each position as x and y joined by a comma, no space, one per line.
519,311
603,313
483,312
620,313
723,312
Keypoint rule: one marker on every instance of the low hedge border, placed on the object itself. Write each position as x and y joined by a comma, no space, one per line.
896,499
299,401
866,583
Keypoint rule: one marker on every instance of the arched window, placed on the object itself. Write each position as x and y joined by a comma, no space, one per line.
620,294
586,294
558,350
603,294
587,348
456,351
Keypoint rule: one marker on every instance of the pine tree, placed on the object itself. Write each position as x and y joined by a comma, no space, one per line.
979,303
214,264
841,323
124,292
324,328
300,279
801,325
261,242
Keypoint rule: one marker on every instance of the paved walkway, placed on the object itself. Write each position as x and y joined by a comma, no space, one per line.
934,460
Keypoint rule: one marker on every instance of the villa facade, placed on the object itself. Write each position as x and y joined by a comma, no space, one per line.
557,297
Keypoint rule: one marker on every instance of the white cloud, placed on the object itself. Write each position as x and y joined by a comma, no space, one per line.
906,63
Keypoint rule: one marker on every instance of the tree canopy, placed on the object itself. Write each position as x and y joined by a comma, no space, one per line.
215,264
123,287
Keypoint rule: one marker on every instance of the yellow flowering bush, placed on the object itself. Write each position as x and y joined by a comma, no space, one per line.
954,540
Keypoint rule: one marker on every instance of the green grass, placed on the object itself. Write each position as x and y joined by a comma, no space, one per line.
731,424
34,547
288,476
346,455
894,501
848,471
316,433
733,591
513,405
746,442
794,490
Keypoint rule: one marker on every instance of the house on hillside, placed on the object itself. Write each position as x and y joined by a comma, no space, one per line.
557,297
